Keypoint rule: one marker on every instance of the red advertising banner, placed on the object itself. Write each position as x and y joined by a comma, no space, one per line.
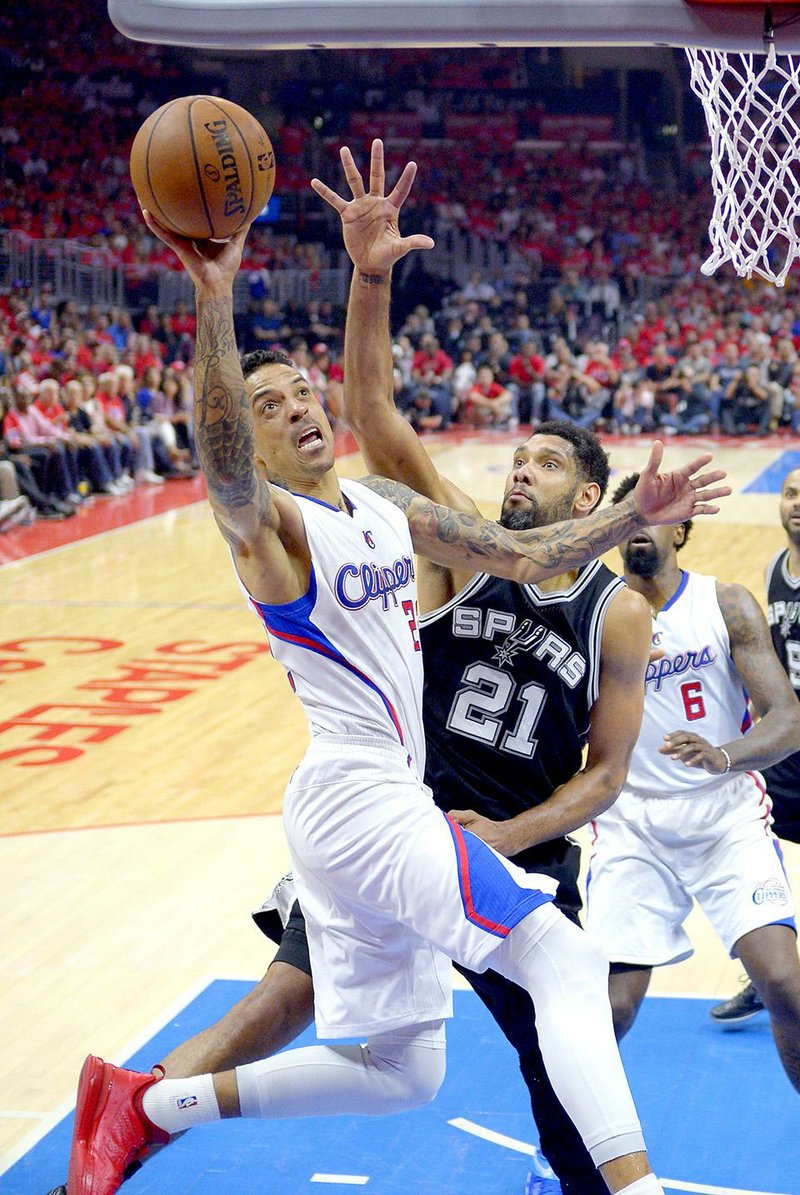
560,127
500,128
385,124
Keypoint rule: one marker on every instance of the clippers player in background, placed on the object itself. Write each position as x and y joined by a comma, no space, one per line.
391,889
676,833
783,778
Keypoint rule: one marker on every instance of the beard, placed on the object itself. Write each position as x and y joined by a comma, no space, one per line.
641,560
536,514
792,530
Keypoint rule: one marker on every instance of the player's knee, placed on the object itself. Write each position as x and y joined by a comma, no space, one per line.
626,998
412,1071
779,988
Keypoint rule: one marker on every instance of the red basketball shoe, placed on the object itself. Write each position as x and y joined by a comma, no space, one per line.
111,1131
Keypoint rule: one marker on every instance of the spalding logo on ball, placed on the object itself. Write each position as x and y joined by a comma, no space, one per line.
202,166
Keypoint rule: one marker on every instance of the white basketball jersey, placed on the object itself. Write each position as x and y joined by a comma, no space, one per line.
350,645
693,687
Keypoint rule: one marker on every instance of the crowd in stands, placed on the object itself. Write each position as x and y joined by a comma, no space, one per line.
94,402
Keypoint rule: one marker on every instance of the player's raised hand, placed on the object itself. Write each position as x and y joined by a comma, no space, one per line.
680,495
369,220
211,265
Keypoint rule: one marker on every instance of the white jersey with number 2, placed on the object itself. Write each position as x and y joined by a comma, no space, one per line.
694,686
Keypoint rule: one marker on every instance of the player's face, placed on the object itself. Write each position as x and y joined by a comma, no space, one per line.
540,489
790,505
292,435
646,552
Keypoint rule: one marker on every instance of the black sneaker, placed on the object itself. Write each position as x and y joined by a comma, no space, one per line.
740,1008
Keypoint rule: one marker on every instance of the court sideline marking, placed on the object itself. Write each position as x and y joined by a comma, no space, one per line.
523,1147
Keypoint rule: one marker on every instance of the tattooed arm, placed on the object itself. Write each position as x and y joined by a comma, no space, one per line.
777,733
468,541
223,427
262,526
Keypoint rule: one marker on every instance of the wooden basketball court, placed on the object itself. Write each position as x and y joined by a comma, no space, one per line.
146,739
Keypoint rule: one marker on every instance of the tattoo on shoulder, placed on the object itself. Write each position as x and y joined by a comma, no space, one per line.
743,615
394,491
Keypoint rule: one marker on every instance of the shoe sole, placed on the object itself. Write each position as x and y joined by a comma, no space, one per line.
735,1022
92,1098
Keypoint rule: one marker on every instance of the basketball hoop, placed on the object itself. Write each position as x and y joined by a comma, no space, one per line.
752,108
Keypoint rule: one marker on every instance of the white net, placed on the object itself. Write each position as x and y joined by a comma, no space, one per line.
752,108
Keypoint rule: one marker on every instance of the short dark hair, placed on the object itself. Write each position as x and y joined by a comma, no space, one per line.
590,457
253,361
625,487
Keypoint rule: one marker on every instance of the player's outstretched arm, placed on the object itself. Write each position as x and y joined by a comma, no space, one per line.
372,239
468,541
223,423
777,733
249,517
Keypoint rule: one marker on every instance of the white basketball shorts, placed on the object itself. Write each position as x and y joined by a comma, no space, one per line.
652,855
391,889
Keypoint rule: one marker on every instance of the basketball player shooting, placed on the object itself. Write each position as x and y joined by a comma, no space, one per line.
382,874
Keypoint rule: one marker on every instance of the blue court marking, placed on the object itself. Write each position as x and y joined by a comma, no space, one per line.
716,1108
770,480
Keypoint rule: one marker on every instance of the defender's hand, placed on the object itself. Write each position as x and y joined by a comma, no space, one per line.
664,498
369,220
497,834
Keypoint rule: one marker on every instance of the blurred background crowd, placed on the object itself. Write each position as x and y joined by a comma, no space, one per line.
567,191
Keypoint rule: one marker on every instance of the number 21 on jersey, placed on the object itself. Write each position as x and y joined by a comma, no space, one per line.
478,711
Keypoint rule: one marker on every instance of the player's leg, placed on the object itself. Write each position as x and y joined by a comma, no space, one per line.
561,1142
769,955
742,888
567,978
273,1014
627,988
120,1114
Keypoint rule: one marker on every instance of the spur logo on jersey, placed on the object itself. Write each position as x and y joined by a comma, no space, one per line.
525,637
772,892
784,615
660,670
357,584
470,622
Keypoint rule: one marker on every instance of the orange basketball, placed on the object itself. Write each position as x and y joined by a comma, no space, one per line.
202,166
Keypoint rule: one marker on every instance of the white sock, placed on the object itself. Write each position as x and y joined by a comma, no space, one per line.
649,1185
178,1104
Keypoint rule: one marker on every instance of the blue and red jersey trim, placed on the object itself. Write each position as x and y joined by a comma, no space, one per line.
291,622
490,896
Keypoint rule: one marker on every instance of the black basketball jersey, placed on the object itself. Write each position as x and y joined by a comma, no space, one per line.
511,673
783,616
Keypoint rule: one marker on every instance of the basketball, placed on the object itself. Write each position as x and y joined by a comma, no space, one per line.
202,166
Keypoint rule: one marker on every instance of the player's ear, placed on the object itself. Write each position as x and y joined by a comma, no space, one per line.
679,534
586,498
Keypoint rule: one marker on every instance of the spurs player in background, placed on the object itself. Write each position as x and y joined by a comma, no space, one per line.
693,818
391,888
783,778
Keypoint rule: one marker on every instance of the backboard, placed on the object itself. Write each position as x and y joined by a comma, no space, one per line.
340,24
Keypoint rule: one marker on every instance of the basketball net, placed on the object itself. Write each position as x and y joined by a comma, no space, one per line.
752,109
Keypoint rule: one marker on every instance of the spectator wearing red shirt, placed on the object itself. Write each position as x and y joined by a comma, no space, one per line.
488,403
526,369
432,370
